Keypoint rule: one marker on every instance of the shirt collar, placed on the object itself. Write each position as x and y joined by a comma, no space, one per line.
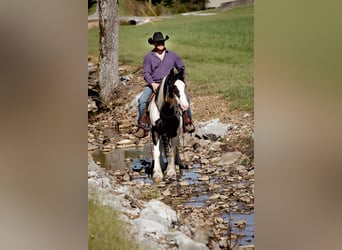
166,51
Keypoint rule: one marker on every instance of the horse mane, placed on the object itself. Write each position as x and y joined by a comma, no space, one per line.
160,94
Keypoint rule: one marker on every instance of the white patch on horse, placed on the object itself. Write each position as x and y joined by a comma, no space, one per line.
182,99
157,171
154,113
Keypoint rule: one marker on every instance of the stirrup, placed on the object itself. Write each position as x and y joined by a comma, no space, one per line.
141,132
189,128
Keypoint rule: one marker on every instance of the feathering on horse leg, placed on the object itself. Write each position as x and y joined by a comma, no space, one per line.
171,168
157,171
179,162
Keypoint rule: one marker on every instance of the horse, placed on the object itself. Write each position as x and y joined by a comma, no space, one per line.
165,114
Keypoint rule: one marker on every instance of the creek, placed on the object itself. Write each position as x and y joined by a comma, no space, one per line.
129,158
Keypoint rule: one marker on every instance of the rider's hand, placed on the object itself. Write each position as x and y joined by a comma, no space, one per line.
154,86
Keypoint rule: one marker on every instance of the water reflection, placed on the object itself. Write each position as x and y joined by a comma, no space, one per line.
116,159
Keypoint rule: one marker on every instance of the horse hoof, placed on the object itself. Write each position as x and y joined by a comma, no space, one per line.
157,179
172,175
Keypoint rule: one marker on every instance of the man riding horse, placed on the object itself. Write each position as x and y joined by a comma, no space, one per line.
157,64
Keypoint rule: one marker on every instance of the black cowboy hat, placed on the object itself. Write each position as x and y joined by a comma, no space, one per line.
157,37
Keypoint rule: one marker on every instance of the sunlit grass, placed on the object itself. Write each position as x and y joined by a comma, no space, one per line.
218,50
105,230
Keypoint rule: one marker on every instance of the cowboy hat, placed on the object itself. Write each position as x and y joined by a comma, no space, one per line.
157,37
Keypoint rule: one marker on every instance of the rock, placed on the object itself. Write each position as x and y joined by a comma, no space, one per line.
186,230
185,243
214,127
149,227
216,146
184,183
230,158
240,168
246,115
204,161
223,244
214,160
92,107
123,142
126,146
159,212
166,192
214,197
246,247
240,224
92,174
126,177
203,178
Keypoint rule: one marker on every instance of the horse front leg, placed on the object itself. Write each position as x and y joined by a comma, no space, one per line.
171,166
157,171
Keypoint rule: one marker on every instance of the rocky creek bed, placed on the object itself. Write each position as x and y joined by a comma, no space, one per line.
210,206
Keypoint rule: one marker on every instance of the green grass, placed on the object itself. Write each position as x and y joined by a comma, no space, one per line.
240,95
218,50
92,9
105,230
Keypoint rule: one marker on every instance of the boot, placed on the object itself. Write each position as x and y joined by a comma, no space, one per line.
141,131
188,126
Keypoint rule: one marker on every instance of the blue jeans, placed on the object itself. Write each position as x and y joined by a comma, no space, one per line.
143,102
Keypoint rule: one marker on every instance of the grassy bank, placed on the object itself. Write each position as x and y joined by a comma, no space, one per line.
216,49
105,231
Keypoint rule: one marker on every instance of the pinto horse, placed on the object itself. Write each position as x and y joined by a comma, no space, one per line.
165,114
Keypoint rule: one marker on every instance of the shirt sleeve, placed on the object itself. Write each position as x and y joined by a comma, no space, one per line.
147,70
179,65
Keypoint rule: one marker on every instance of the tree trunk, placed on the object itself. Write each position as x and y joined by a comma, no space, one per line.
109,48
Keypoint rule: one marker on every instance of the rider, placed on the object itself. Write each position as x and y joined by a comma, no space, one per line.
158,64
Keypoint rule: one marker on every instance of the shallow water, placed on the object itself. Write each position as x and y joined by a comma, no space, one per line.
121,159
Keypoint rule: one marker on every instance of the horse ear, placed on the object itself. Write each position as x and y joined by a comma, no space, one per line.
180,74
172,73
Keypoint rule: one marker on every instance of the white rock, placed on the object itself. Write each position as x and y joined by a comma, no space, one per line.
125,141
212,127
185,243
159,212
215,146
230,158
92,174
150,226
246,115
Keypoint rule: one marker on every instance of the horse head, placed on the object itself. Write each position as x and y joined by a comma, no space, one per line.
172,91
171,80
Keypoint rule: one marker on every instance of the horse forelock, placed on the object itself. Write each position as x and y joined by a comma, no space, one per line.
165,92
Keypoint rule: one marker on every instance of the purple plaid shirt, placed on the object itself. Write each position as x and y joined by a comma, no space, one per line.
155,70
